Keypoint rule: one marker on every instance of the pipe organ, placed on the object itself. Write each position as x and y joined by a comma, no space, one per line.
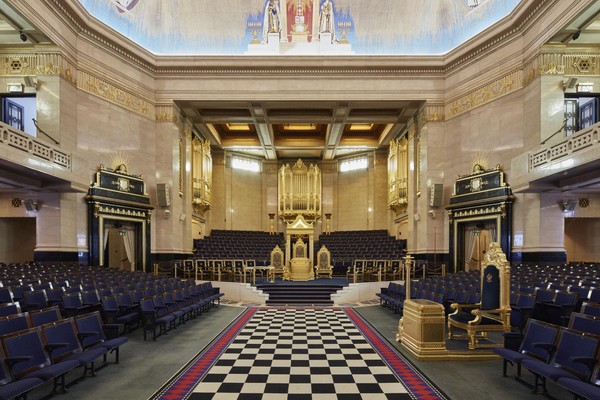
201,176
299,192
398,175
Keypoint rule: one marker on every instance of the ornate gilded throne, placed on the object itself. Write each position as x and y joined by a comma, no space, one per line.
300,268
323,266
492,314
277,266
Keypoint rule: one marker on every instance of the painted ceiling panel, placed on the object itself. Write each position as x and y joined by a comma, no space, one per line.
361,27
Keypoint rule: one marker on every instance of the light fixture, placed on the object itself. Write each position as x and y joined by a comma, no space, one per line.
585,87
238,127
361,127
576,34
23,36
300,127
571,82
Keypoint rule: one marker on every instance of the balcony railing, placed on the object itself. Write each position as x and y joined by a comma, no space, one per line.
16,139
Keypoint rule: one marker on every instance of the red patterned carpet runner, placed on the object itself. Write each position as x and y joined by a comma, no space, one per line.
299,353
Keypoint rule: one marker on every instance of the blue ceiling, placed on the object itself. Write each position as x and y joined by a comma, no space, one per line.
224,27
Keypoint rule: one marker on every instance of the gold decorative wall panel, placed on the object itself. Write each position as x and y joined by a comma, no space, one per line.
201,176
113,94
485,94
398,175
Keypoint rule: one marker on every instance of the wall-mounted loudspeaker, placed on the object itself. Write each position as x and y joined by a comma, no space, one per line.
162,195
416,216
30,205
436,195
567,205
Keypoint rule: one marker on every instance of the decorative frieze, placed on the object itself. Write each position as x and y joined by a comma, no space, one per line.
111,93
485,94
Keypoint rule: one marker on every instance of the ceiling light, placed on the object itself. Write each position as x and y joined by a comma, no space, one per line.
238,127
300,127
361,127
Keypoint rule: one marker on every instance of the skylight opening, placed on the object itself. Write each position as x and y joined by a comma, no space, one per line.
245,164
354,164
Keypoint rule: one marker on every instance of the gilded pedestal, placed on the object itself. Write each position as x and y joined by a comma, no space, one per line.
300,269
422,329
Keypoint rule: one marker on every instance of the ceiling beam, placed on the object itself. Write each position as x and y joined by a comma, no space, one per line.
335,131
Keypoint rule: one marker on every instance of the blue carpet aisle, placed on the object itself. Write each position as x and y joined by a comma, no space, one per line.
299,353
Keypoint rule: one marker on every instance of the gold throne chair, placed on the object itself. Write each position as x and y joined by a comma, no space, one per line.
492,313
300,268
323,266
277,266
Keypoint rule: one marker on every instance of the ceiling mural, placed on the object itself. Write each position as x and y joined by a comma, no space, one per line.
276,27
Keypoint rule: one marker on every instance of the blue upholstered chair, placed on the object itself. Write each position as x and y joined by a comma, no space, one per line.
573,356
92,334
62,343
492,313
535,332
27,358
9,388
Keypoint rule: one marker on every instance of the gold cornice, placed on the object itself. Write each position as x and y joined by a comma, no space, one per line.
485,94
432,113
112,93
36,62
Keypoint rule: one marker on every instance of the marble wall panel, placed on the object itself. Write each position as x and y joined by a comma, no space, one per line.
18,239
352,211
581,239
248,206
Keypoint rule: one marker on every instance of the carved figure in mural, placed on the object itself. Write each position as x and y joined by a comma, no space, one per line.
272,20
326,20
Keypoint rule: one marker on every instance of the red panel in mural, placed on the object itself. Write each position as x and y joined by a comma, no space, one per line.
299,20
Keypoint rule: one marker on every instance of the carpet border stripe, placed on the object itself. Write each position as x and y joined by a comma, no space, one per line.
181,385
402,367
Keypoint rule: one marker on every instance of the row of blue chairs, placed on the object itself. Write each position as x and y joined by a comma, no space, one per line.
569,356
47,352
165,313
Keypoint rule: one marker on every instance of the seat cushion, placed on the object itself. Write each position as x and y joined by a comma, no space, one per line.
583,389
87,356
54,370
548,370
14,389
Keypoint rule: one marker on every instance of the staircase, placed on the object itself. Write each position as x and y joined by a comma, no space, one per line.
299,293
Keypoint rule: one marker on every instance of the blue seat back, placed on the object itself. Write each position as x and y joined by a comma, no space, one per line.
44,316
147,305
72,300
91,324
14,323
61,332
585,323
538,332
110,303
591,309
6,295
91,297
572,345
544,295
490,288
10,309
26,344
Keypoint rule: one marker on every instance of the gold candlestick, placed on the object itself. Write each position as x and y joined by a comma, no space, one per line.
254,27
344,28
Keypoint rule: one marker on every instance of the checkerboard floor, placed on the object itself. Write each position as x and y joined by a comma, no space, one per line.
300,354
